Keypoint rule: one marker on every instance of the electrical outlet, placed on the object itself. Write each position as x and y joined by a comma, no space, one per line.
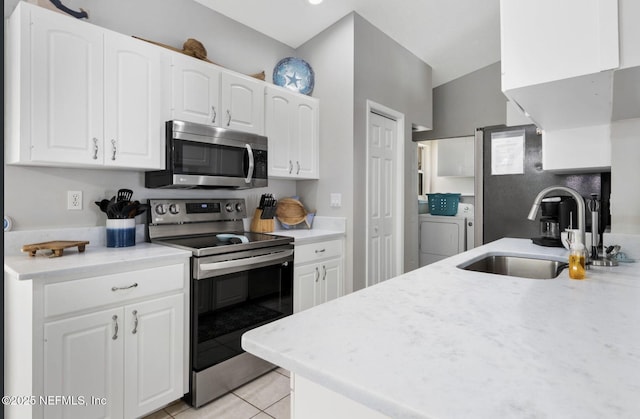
336,200
74,200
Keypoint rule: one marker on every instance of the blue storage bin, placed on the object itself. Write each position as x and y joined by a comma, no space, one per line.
443,203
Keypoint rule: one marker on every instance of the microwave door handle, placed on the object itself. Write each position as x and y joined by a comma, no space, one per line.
251,164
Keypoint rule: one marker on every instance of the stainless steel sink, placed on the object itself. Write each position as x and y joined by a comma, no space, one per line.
516,266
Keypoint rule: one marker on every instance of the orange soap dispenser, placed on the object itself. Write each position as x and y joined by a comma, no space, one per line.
577,257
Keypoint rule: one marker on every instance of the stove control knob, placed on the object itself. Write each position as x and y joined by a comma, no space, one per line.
160,209
229,207
174,209
239,207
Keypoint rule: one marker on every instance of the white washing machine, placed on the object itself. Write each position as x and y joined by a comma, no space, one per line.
442,236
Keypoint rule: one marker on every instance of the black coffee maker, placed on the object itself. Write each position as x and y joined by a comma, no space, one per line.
558,214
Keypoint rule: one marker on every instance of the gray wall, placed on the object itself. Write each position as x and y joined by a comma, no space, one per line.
331,55
349,56
466,103
390,75
36,197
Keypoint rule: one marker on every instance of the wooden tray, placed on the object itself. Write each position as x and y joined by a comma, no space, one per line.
56,247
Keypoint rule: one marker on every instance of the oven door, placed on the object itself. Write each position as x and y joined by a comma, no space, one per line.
234,296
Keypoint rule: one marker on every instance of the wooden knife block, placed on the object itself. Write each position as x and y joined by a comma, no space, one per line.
259,225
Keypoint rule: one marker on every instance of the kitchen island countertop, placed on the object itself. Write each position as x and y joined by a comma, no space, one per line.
442,342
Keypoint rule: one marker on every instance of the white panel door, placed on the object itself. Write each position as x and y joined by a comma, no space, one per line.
134,129
331,280
305,287
242,103
196,89
381,178
66,99
153,354
279,129
306,132
83,356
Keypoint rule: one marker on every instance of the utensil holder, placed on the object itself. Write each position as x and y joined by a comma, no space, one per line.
121,232
259,225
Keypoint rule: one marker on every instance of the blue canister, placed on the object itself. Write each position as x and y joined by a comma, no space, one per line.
121,232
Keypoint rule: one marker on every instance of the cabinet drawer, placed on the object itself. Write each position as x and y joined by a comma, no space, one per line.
317,251
67,297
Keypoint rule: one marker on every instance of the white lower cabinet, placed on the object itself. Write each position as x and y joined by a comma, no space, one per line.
318,274
130,356
109,346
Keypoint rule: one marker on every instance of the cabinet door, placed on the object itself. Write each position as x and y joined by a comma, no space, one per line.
547,40
134,130
306,289
153,370
279,124
242,103
196,90
331,281
83,356
306,132
66,96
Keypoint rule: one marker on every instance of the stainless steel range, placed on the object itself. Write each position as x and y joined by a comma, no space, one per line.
239,281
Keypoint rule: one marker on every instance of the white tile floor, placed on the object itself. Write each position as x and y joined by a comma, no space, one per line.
266,397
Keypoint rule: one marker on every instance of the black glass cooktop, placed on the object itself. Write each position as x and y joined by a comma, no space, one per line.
208,244
211,240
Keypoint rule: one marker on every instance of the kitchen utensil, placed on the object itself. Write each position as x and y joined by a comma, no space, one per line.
103,205
232,238
124,195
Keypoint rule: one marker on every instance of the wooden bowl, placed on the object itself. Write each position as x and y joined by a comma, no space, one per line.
290,211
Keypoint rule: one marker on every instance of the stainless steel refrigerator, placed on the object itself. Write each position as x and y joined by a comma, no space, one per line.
507,183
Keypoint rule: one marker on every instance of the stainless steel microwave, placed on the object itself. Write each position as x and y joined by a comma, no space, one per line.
203,156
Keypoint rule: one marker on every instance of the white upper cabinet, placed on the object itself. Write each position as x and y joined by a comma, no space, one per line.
558,59
456,157
242,103
57,74
195,90
546,40
133,83
292,126
80,95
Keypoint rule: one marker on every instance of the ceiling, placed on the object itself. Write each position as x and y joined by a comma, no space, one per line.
455,37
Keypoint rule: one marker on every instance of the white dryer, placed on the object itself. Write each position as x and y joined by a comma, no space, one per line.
442,236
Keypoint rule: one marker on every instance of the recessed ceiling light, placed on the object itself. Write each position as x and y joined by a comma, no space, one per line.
314,1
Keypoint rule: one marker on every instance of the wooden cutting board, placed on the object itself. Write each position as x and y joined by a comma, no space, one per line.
57,247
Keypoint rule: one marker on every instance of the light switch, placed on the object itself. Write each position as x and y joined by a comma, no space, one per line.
336,200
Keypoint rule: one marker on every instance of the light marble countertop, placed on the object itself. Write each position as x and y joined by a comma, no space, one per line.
97,259
324,228
442,342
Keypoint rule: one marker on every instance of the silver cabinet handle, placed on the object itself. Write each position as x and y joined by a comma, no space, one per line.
135,322
290,167
228,117
114,148
320,251
115,322
213,110
298,164
317,274
95,148
324,272
135,284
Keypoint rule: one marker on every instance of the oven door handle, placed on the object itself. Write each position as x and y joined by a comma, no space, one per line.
251,164
272,257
